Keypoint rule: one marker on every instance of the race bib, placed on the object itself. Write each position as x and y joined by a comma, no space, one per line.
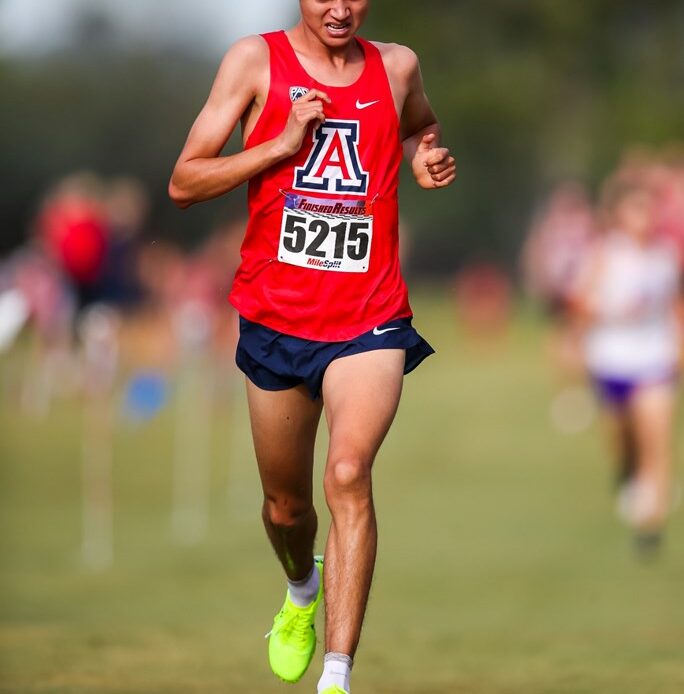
333,235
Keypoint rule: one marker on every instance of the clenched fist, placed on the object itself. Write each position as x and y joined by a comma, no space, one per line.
305,110
432,166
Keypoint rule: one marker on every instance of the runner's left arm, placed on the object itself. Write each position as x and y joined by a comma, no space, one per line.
432,165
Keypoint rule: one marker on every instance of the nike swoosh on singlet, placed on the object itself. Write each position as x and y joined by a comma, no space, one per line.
377,331
361,106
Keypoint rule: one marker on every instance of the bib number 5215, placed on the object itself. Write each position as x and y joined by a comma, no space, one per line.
340,244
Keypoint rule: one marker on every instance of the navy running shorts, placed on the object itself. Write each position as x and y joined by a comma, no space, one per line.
275,361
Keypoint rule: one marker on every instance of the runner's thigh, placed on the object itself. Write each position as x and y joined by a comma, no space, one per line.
284,424
361,394
652,410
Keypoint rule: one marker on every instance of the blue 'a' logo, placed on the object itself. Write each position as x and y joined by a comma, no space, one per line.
333,165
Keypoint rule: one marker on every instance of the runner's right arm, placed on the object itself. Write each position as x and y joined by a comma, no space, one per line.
239,92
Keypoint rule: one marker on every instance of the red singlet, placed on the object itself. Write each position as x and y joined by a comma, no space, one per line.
320,256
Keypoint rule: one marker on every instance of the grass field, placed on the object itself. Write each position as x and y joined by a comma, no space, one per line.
501,569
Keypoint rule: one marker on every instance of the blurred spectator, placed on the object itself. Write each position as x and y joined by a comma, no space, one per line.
483,300
50,301
552,256
91,229
670,210
626,297
126,206
49,308
73,230
556,244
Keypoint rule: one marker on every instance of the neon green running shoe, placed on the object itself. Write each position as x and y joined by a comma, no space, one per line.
334,690
292,640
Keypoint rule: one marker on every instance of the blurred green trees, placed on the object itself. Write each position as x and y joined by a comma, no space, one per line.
528,92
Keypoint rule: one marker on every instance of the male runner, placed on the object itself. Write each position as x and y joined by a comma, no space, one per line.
325,320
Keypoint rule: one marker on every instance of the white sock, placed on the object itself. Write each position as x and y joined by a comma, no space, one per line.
304,592
336,671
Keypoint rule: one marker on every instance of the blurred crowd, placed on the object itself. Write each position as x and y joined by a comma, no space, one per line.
569,223
126,326
609,274
91,270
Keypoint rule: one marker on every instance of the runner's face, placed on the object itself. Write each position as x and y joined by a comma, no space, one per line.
634,214
334,21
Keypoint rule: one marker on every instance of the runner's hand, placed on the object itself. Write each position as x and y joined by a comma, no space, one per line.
307,109
432,166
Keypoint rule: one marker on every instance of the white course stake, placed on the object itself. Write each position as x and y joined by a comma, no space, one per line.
99,336
191,471
14,312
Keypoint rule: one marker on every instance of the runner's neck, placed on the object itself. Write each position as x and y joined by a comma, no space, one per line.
339,66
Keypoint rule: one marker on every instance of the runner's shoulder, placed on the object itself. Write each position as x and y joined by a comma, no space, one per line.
247,57
244,67
400,59
248,49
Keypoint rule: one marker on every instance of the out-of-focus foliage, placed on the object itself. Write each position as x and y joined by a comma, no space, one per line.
528,92
105,106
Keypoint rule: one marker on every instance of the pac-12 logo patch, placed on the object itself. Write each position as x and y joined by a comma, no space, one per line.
333,165
297,93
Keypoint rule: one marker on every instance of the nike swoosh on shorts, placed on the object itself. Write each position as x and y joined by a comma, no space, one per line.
377,331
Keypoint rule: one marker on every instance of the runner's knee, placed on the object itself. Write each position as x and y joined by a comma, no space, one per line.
347,476
283,511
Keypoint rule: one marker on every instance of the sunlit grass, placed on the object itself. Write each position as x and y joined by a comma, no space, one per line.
501,567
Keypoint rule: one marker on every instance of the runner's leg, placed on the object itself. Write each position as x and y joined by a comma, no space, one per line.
652,410
284,425
623,445
361,395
